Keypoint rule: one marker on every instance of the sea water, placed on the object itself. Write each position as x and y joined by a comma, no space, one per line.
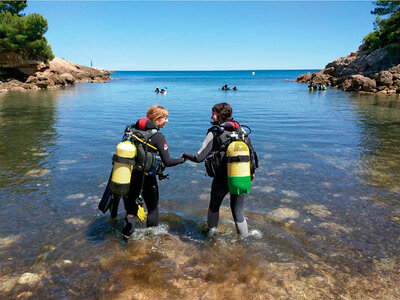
323,212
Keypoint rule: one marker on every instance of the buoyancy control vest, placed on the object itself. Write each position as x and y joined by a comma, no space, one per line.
233,156
147,158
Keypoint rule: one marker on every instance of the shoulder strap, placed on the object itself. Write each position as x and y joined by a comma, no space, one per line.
143,142
143,136
216,128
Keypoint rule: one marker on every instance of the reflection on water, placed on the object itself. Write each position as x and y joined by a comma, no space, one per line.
381,141
27,131
323,214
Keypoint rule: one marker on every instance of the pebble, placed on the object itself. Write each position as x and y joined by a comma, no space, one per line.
29,278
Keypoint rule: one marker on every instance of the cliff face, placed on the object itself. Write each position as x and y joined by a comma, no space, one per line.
18,74
377,72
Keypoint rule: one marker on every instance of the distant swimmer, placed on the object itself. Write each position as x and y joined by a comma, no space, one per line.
163,91
312,87
157,90
234,88
225,87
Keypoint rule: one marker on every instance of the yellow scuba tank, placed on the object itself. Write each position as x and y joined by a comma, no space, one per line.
124,160
238,163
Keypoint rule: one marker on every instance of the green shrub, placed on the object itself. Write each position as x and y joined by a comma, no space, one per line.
23,34
387,33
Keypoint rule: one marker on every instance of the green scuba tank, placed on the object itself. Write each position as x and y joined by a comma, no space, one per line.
238,167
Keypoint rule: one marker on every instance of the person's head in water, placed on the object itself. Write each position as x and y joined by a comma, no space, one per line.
221,112
158,114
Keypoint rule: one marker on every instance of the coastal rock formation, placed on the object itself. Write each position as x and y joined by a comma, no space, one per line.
376,72
18,74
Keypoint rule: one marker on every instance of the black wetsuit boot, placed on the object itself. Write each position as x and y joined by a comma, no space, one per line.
129,225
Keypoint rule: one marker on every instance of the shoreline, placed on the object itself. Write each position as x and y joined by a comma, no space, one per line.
375,73
35,75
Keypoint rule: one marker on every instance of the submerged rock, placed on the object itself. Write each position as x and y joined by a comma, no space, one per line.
267,189
8,240
318,210
334,228
285,213
290,193
37,172
76,196
29,278
74,221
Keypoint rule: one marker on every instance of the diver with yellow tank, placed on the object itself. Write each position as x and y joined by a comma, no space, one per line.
231,160
141,156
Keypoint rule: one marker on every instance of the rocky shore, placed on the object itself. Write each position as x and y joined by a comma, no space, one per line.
17,74
377,72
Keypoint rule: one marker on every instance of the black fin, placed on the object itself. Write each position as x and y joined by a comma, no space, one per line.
106,199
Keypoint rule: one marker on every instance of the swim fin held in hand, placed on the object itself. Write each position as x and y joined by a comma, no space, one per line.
141,214
106,199
109,201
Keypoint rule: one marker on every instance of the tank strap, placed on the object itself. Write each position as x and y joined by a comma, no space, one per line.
239,158
143,142
124,160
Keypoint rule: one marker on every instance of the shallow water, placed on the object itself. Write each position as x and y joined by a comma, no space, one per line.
323,214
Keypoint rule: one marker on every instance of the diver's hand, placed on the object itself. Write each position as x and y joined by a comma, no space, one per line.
252,177
184,157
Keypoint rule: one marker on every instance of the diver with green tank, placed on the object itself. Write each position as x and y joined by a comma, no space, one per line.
231,160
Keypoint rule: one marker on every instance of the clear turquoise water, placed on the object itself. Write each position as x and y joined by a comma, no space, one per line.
324,211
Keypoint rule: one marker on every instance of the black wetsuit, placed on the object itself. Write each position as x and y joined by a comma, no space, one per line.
150,186
219,187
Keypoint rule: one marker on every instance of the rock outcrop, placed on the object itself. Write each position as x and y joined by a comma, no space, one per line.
376,72
18,74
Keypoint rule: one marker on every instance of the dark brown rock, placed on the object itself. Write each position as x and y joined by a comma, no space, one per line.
329,71
44,83
384,78
376,72
362,83
68,78
304,77
320,78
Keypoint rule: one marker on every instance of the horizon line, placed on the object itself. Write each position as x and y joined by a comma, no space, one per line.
220,70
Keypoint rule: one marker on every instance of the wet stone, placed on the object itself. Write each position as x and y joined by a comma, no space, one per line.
334,228
286,200
29,278
8,240
204,196
301,166
37,172
267,189
290,193
74,221
285,213
76,196
318,210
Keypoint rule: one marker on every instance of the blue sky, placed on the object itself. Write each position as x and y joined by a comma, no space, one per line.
200,35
